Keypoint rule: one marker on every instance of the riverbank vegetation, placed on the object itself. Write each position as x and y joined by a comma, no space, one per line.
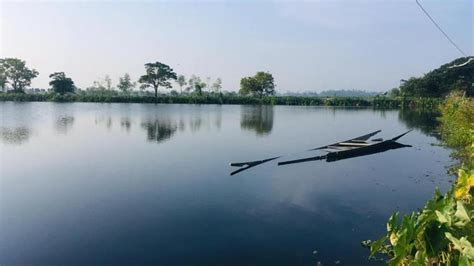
228,98
442,232
441,81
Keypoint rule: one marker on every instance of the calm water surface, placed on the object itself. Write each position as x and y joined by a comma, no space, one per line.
131,184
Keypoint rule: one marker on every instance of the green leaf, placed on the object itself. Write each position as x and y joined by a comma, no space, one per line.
462,245
419,258
464,261
435,239
441,218
395,261
461,212
392,222
376,246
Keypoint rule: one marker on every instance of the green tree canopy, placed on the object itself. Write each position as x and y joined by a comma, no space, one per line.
395,92
157,74
196,84
125,84
3,79
181,82
108,83
441,81
13,71
261,84
61,84
217,85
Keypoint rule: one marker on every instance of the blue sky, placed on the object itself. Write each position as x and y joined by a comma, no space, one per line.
311,45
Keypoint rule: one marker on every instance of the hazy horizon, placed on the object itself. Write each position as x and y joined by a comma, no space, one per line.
320,45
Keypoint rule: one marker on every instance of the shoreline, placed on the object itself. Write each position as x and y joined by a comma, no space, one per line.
220,99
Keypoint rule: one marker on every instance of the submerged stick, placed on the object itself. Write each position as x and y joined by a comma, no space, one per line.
315,158
249,165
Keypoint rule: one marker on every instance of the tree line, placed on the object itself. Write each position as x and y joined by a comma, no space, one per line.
15,77
440,81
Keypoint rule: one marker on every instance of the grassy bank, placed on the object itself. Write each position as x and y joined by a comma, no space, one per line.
442,232
376,102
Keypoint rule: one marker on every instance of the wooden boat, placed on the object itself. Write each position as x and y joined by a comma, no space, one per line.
355,147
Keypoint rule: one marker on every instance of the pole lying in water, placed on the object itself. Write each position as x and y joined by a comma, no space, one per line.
247,165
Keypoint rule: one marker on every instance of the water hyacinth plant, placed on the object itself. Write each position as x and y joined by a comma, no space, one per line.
442,232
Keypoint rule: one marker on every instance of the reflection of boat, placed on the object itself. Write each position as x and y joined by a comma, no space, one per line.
359,146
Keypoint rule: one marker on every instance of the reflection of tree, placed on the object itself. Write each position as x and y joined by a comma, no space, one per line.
64,124
195,123
218,118
126,123
426,121
109,122
15,135
158,130
258,118
104,120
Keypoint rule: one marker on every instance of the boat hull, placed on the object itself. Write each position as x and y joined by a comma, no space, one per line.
362,151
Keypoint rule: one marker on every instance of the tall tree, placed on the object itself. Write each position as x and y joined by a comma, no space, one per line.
196,84
125,84
15,73
248,85
181,82
3,79
61,84
108,83
217,85
97,86
208,82
261,84
157,74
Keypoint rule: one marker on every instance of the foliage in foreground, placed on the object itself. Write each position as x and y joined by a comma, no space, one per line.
442,233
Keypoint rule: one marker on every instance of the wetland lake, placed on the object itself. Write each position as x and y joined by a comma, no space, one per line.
146,184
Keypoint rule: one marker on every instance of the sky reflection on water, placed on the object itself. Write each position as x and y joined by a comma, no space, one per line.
122,184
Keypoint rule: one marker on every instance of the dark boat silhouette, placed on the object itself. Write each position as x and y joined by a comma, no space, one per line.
356,147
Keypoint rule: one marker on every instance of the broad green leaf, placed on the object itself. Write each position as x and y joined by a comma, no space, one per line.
464,261
462,245
392,222
441,218
461,213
